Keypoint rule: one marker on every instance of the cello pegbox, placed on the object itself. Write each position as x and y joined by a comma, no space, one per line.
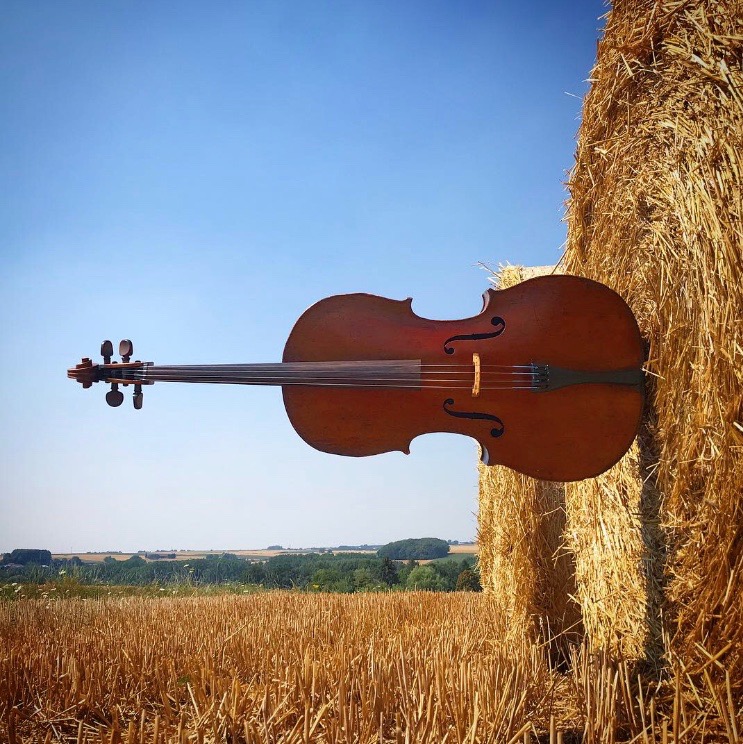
107,351
126,349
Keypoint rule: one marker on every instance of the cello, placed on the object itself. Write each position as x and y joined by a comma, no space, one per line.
547,378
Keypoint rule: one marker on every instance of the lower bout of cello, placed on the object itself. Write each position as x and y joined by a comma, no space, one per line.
564,435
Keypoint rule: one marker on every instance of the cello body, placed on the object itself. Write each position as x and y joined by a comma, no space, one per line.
576,427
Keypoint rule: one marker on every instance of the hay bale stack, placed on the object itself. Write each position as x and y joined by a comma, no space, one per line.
612,532
656,212
520,526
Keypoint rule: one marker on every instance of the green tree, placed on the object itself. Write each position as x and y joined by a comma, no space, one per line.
468,581
331,580
424,548
388,572
425,577
363,579
25,556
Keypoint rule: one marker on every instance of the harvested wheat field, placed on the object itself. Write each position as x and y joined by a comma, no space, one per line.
291,667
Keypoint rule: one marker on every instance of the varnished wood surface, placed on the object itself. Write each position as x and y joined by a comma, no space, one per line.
568,434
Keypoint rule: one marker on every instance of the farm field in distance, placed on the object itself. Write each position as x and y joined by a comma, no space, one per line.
253,555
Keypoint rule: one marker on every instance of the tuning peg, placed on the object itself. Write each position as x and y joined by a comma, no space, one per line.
107,350
114,397
126,349
138,396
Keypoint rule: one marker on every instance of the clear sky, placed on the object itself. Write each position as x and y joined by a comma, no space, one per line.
192,176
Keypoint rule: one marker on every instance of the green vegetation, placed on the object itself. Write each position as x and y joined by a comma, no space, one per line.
313,572
424,548
426,577
24,556
468,581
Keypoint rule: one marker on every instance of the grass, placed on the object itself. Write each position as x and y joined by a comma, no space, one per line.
71,588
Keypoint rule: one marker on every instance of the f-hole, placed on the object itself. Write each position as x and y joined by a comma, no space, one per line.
496,431
497,321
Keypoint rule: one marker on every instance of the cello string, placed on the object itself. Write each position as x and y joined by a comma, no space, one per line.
382,363
331,372
309,366
337,375
340,375
336,378
328,381
381,386
343,381
359,385
318,365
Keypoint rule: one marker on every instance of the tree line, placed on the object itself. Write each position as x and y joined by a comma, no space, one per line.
311,572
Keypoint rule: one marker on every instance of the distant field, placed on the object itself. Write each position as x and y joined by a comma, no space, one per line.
468,548
253,555
180,555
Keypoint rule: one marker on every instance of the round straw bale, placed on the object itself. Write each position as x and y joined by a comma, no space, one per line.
656,212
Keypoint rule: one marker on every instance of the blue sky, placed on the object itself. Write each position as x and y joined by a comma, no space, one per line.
193,176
